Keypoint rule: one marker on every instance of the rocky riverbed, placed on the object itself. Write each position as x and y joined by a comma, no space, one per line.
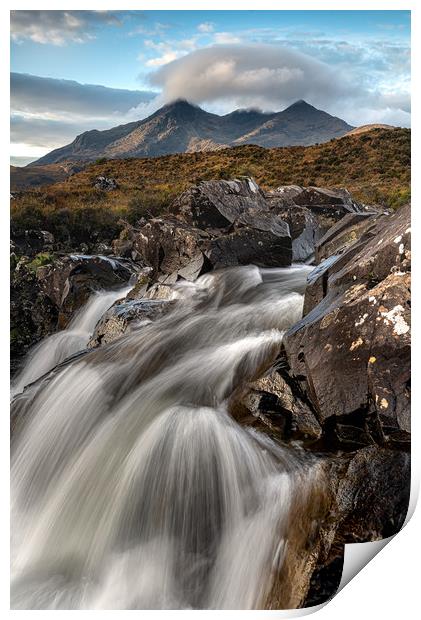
338,386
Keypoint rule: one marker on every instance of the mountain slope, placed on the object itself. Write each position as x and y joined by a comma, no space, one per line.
181,127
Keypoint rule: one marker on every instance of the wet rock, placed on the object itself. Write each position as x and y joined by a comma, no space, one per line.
327,205
304,229
125,316
283,412
351,228
351,352
217,204
259,239
33,315
171,247
70,280
32,242
373,495
106,184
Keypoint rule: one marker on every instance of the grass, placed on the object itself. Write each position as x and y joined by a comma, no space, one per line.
374,166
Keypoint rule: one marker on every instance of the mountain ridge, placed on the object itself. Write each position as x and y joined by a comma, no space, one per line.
181,126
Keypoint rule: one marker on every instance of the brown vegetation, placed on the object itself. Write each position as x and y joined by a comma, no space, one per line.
374,166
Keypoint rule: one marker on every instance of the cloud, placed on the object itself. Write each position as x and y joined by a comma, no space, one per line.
61,98
58,27
223,77
265,75
47,113
206,27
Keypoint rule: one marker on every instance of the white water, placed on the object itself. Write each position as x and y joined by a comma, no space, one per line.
59,346
132,487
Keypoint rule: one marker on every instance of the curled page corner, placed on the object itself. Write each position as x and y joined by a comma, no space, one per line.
357,555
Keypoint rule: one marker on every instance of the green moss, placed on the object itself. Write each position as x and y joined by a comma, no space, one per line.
41,259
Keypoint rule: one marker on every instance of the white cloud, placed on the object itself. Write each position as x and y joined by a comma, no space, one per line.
206,27
47,113
264,75
58,27
226,38
161,60
224,77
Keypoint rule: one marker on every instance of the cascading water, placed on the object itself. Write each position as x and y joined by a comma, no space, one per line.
61,345
132,487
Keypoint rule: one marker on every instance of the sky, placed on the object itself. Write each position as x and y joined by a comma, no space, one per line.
72,71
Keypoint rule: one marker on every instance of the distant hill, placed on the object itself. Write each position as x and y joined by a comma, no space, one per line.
28,177
181,127
365,128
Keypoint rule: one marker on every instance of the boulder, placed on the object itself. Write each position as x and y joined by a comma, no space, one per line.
369,497
32,242
171,247
327,205
259,238
274,403
125,316
70,280
350,353
304,229
217,204
372,496
351,228
104,183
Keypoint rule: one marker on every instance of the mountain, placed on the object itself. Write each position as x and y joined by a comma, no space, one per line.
181,127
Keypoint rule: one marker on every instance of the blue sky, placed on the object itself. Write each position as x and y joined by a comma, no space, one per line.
354,64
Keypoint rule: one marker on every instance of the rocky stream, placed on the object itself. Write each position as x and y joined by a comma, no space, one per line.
206,409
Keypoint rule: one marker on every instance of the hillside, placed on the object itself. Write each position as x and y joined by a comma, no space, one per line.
370,127
374,166
181,127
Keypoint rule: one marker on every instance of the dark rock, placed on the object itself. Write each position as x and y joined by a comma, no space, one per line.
106,184
327,205
369,498
351,228
373,496
33,315
266,244
351,352
304,229
70,281
217,204
272,400
125,316
32,242
171,247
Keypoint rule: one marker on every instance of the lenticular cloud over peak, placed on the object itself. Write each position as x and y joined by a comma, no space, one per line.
256,74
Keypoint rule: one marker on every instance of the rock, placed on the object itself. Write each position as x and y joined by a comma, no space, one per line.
32,242
70,280
327,205
351,228
373,495
125,316
260,238
171,247
369,498
351,353
217,204
33,315
286,415
304,229
104,183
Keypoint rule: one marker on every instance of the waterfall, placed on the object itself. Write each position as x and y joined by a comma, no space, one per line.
61,345
131,485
